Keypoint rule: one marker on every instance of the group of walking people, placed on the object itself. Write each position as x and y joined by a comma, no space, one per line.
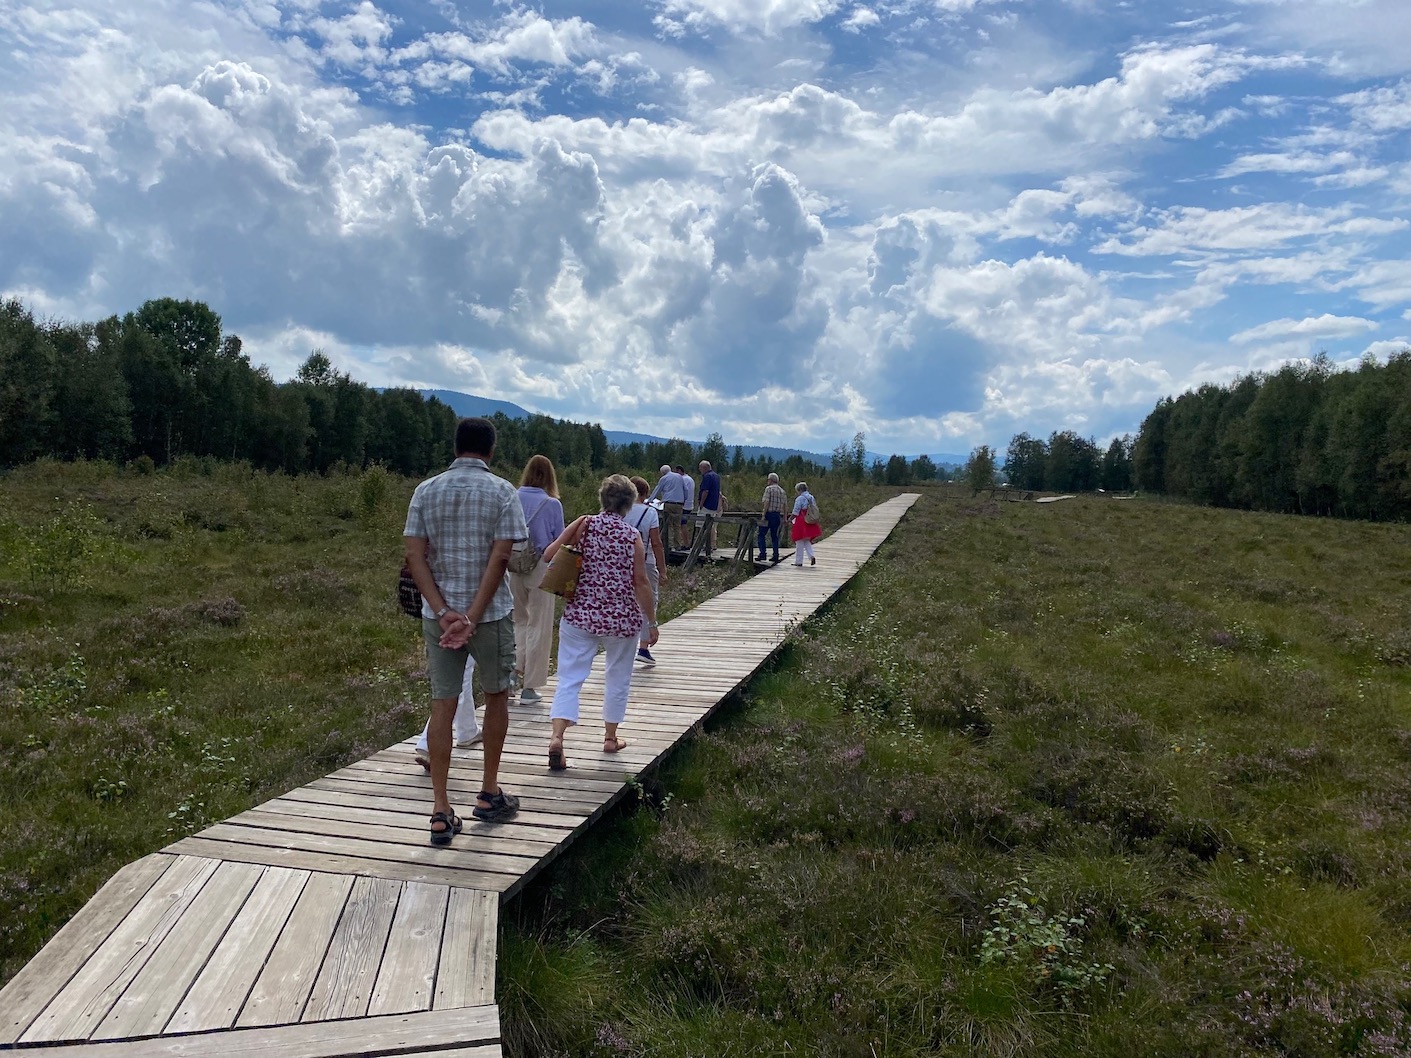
463,529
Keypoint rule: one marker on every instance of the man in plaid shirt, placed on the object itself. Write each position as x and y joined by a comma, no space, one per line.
775,504
461,527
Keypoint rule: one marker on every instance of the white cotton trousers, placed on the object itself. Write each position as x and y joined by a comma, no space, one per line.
533,626
802,548
465,726
654,579
577,649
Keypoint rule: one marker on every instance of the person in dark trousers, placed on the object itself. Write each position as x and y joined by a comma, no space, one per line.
461,526
710,496
671,490
775,502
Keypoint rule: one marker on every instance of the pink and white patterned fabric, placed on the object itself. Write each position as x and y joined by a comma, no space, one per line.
604,603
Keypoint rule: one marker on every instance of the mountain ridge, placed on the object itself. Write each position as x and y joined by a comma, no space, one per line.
473,404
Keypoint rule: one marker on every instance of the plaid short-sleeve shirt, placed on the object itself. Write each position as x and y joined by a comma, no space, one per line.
462,512
775,500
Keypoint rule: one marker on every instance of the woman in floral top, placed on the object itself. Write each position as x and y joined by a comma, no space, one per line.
610,608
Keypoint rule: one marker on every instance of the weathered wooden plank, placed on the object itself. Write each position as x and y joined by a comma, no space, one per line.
531,783
219,992
352,866
390,765
30,990
467,973
283,986
480,859
415,809
149,1001
300,814
473,1028
488,840
343,988
406,980
83,1003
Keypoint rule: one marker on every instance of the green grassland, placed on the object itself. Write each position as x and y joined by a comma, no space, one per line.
180,645
1096,777
1089,778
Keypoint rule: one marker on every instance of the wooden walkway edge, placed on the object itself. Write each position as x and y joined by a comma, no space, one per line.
323,924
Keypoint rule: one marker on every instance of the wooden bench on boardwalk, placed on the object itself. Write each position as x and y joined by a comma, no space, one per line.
322,923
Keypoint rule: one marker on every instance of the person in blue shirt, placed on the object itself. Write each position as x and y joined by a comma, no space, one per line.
710,495
671,490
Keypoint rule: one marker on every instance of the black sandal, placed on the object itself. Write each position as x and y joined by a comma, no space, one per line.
453,827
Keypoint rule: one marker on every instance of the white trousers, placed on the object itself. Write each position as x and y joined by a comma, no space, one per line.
465,725
802,548
576,652
654,579
533,626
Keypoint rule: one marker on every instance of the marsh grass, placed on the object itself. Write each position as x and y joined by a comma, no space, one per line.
1090,778
177,645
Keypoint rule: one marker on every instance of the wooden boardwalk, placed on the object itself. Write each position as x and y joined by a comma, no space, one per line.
322,923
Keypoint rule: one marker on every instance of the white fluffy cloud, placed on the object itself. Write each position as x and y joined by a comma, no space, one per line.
728,218
1324,326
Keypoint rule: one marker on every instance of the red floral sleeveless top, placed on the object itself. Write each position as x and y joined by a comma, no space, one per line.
604,603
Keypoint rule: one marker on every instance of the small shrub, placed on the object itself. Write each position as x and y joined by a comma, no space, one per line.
57,554
1047,947
374,487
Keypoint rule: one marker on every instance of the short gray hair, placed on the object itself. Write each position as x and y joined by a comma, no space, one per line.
665,468
774,479
802,486
617,494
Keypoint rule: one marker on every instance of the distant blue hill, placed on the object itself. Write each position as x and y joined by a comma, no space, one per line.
470,404
467,404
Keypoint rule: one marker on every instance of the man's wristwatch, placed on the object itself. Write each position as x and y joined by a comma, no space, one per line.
442,612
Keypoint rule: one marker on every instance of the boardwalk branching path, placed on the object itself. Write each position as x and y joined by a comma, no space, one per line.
322,923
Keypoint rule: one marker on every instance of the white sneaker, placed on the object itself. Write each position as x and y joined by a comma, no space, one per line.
466,743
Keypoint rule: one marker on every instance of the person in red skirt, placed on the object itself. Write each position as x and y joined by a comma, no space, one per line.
805,532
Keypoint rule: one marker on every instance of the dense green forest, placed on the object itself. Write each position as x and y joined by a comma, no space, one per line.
1068,463
165,383
1305,439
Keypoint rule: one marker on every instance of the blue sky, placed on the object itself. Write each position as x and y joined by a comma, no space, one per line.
940,222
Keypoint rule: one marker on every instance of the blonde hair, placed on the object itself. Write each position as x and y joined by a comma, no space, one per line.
539,474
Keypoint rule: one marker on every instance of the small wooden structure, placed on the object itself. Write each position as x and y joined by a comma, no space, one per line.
322,924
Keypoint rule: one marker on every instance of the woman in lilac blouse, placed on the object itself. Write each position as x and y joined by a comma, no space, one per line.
534,609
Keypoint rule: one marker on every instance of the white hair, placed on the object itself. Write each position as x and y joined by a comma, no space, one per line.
665,469
774,479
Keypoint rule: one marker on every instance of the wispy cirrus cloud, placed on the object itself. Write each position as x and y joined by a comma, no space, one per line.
1324,326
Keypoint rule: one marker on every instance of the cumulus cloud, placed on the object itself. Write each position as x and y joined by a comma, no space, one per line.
761,16
642,222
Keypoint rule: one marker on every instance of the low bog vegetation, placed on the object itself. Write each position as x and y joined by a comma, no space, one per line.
1097,778
1092,778
177,645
